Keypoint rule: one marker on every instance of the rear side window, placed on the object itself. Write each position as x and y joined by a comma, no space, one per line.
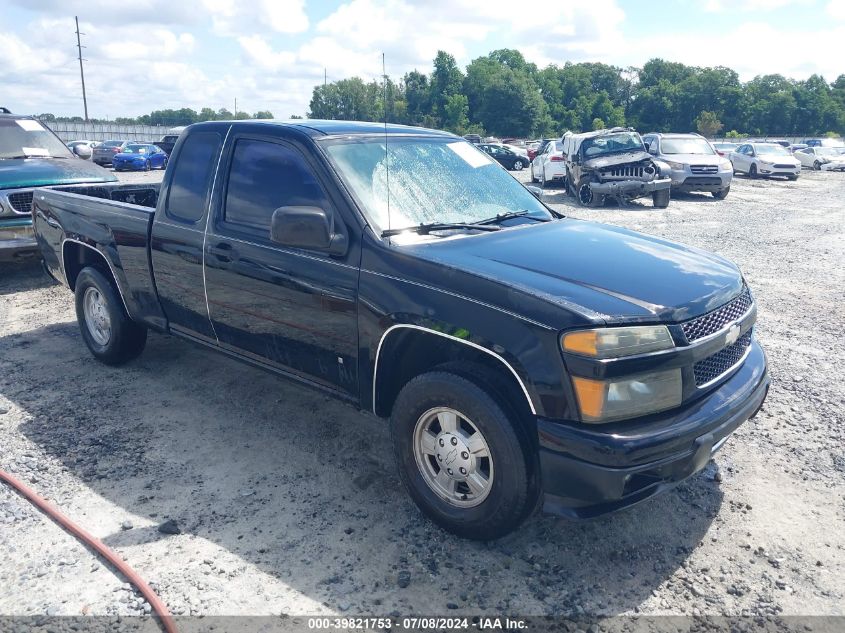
263,177
191,181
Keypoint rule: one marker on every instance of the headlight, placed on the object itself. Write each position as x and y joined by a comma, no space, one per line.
766,163
615,342
608,400
675,165
725,164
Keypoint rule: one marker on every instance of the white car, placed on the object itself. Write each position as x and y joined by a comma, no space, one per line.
765,159
548,166
827,158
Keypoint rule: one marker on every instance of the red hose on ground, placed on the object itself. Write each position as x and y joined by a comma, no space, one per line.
158,607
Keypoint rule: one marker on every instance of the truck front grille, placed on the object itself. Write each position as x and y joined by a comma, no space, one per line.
626,171
716,320
704,169
721,362
21,201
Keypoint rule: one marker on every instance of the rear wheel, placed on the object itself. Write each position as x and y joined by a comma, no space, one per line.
107,330
460,456
660,199
722,193
543,177
164,164
518,165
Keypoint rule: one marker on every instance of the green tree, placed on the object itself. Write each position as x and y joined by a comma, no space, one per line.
598,124
456,114
708,124
446,80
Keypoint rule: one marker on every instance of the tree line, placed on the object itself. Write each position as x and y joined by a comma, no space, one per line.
168,117
504,95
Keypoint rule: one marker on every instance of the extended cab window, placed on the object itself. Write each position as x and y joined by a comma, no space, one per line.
192,177
263,177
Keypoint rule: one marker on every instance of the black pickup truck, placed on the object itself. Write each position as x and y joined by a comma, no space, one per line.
520,356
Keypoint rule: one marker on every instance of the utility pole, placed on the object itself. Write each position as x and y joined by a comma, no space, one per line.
236,106
79,47
325,77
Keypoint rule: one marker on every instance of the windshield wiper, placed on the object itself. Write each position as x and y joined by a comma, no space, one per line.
507,216
425,229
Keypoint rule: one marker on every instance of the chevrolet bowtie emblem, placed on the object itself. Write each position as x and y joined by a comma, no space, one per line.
732,335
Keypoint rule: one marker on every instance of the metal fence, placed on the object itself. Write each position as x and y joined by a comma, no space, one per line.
791,139
74,131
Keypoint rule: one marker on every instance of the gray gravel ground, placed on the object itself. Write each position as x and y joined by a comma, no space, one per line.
287,502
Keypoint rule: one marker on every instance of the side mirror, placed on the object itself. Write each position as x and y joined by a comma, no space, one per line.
311,228
535,191
82,151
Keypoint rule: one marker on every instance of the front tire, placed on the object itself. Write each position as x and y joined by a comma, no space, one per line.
660,199
111,336
752,171
444,422
722,193
586,196
817,165
147,166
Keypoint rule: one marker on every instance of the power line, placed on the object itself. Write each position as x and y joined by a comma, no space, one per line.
79,47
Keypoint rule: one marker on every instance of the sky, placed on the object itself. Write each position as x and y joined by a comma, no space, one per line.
269,54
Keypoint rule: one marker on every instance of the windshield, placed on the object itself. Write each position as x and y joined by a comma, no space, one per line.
771,148
686,146
612,143
135,149
112,144
22,138
430,180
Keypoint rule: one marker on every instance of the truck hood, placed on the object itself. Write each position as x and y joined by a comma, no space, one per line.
39,172
602,272
600,162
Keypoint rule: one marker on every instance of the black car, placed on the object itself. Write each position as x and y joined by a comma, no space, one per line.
506,157
519,355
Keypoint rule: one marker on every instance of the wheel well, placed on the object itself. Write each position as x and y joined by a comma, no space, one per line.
407,353
76,256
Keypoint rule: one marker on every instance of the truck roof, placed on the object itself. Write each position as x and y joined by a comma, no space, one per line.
318,127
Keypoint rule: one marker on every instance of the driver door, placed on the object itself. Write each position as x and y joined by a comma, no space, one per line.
289,308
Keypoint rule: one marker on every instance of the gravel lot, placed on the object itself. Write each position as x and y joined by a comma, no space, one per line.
287,502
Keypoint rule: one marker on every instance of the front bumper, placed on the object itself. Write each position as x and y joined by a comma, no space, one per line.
774,170
17,240
630,188
587,471
837,166
688,181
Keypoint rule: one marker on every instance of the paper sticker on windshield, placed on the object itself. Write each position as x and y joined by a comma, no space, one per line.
35,151
29,125
472,156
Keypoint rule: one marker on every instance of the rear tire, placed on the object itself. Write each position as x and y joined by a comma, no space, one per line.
107,330
518,165
722,193
465,415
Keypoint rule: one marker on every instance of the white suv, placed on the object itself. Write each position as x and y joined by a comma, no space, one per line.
548,166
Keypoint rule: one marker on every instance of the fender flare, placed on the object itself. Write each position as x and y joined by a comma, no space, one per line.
453,338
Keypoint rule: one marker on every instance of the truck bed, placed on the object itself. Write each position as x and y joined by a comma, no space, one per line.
112,219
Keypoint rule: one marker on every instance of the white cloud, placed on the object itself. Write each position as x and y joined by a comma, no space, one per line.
836,9
260,52
719,6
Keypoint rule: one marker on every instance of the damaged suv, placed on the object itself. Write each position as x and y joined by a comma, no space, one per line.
613,163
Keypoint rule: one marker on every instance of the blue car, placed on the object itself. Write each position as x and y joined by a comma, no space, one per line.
139,156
